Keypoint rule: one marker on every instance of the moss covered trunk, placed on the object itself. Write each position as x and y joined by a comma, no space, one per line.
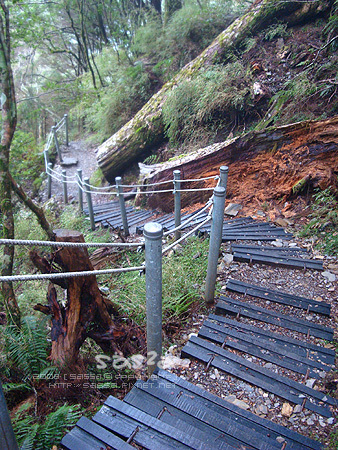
146,129
273,164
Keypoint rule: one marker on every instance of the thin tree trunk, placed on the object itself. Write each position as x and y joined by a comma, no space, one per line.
9,118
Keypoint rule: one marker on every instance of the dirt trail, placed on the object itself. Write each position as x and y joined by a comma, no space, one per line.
83,155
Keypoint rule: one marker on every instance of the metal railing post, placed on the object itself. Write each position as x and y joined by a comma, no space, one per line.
118,181
49,180
57,143
79,175
153,233
46,156
215,242
64,182
66,126
223,177
177,187
7,437
89,203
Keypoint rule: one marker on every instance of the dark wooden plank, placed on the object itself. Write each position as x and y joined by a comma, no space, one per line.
320,357
269,248
102,434
255,347
191,419
78,439
287,261
257,376
279,297
123,419
247,418
235,307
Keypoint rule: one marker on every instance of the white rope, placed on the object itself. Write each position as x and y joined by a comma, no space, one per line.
191,219
54,276
146,185
215,177
186,235
193,190
68,244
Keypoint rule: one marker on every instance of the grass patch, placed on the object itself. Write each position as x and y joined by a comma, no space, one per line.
323,224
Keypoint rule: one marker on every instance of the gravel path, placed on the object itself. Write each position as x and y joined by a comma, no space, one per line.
310,284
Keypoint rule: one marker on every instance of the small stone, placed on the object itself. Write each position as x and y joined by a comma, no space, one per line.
280,439
230,398
310,421
261,410
297,409
322,424
217,375
213,376
268,366
310,382
287,410
241,404
277,243
330,421
228,258
329,276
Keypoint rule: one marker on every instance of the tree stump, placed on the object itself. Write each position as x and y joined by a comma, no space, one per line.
87,313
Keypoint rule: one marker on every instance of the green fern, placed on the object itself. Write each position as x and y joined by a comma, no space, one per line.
32,435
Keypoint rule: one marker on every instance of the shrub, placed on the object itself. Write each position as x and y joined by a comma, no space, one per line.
217,95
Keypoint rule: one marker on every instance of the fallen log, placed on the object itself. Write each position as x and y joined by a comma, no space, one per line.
263,165
146,129
87,313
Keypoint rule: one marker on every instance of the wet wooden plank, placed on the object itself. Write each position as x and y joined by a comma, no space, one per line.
316,356
143,396
278,297
253,346
258,376
247,418
257,257
235,307
124,420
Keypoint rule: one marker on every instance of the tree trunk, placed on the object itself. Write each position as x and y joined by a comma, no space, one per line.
87,313
8,124
146,129
263,165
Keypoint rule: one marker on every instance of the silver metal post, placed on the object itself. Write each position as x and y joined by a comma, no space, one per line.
57,144
66,125
177,187
223,176
64,182
89,203
79,174
49,180
7,437
215,242
46,156
153,233
118,181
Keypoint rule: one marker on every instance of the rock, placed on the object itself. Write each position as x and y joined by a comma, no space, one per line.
232,209
280,439
329,276
230,398
310,421
310,382
330,420
241,404
268,366
297,409
217,375
333,268
69,162
173,362
287,410
282,222
261,410
228,258
277,243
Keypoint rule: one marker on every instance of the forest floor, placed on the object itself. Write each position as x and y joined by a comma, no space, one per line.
308,284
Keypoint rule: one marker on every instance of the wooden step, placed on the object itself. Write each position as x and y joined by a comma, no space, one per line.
279,297
258,376
236,308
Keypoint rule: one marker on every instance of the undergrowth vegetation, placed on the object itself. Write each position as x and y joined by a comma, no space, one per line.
323,224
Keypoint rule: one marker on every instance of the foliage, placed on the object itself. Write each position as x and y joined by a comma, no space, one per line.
27,348
274,31
31,434
324,221
218,95
183,275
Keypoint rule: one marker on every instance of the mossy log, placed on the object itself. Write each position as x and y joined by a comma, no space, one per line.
263,165
146,129
87,313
